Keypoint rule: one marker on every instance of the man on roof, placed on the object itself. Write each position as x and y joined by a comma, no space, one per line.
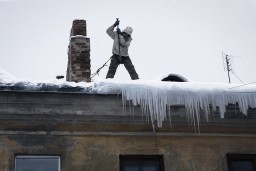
121,45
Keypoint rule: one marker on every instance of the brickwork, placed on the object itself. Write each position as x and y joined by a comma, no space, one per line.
79,62
78,28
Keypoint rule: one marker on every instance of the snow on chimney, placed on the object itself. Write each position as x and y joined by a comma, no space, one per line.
79,62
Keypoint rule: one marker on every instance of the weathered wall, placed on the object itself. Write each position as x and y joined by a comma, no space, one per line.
93,153
89,132
88,111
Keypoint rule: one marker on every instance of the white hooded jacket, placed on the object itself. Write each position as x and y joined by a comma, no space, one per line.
124,45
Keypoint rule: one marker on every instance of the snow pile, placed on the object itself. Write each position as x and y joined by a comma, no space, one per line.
154,97
6,77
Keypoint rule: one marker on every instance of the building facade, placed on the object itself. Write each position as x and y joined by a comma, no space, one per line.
76,131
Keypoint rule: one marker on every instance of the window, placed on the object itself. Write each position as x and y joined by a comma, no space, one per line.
244,162
141,163
38,163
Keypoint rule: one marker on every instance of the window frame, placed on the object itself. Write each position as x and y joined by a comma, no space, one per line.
39,156
159,158
240,157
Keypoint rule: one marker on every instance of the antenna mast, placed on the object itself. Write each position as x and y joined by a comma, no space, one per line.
228,67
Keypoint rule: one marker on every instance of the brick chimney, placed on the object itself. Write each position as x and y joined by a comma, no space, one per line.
79,62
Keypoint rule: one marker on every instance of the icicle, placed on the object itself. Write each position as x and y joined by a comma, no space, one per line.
155,99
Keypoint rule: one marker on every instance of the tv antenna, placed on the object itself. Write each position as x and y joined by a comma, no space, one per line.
228,63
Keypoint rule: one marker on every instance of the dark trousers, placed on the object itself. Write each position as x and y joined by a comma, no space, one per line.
115,61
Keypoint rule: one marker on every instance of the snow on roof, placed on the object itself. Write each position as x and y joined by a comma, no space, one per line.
154,97
78,36
5,76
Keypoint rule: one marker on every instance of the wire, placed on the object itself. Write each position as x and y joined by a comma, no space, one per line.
237,76
155,138
243,85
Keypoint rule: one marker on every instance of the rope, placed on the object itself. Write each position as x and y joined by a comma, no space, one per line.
98,70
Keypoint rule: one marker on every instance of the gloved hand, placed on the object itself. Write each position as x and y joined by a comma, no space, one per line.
116,23
118,30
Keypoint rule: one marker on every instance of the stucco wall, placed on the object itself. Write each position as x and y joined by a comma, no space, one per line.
80,153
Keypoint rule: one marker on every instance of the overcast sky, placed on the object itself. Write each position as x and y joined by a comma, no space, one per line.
186,37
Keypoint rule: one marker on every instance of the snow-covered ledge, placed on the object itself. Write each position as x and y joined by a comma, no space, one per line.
155,97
